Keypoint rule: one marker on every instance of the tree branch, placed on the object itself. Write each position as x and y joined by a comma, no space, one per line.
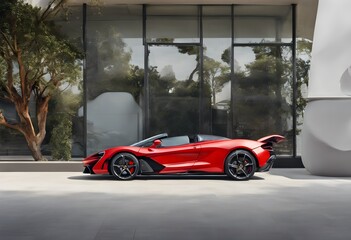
50,10
4,122
42,112
8,42
10,88
22,75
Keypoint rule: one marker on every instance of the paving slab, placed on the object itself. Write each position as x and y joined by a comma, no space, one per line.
44,166
282,204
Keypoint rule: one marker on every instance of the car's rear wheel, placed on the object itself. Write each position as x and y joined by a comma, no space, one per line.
240,165
124,166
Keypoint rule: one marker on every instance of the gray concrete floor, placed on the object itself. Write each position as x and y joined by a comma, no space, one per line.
282,204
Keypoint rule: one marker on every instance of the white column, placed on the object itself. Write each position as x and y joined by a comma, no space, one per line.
326,133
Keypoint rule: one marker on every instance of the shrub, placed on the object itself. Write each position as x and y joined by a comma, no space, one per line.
60,141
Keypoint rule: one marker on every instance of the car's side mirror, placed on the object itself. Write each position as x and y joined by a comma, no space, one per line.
156,143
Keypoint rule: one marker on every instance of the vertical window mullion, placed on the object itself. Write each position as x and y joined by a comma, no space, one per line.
294,80
146,88
85,89
231,134
201,56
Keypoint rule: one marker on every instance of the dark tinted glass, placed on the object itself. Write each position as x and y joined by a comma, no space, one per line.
114,76
172,24
263,94
174,90
259,24
216,71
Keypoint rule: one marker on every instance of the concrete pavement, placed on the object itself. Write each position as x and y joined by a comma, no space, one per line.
282,204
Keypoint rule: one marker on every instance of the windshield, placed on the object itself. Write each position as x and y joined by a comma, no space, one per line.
148,142
175,141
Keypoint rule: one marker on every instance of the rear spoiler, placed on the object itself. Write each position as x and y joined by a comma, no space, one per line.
272,139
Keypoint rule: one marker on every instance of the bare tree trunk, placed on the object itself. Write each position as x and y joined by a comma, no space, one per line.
34,140
34,147
42,113
191,76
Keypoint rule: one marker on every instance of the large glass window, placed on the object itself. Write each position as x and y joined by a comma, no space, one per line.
258,24
69,100
303,61
173,96
217,69
263,93
172,24
12,142
225,70
64,104
114,65
174,89
263,78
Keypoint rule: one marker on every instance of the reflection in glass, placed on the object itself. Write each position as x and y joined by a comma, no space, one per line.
257,102
174,90
65,102
263,94
114,76
259,24
172,23
303,59
12,142
216,70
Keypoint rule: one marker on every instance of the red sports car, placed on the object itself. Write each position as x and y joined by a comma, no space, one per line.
160,154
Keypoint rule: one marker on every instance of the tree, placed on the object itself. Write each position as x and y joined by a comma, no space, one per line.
263,90
108,61
35,61
216,74
303,63
61,136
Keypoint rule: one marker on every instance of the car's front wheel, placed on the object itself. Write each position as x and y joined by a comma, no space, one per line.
124,166
240,165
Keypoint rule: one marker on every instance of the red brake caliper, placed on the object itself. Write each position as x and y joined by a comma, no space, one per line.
132,169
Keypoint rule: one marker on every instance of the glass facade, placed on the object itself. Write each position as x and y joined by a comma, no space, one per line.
217,24
114,76
184,69
263,93
65,103
176,24
69,102
174,89
259,24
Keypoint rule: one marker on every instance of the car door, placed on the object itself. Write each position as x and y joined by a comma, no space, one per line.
212,156
175,159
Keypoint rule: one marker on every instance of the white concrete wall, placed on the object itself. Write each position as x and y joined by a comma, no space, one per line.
326,131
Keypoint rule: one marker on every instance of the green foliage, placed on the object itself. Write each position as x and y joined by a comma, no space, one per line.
114,71
61,136
262,94
303,64
215,75
36,60
226,56
48,58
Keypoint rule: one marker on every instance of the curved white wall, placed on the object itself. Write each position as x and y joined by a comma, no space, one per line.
331,53
326,130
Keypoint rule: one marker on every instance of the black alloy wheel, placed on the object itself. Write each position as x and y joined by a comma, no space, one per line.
124,166
240,165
